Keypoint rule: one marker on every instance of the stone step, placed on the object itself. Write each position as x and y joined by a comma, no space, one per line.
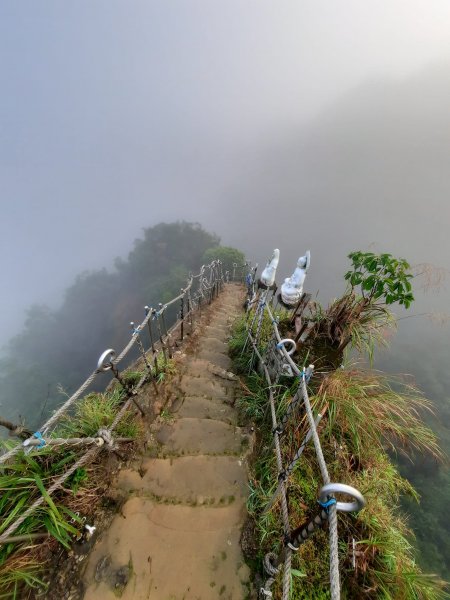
205,408
230,307
199,367
206,387
227,313
188,436
221,312
167,552
217,358
195,480
221,332
212,344
222,320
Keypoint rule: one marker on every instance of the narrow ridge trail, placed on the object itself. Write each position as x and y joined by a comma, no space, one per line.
177,536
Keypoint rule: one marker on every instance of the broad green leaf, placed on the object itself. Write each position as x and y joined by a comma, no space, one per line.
297,573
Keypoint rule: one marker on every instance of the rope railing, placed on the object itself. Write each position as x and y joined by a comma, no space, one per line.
274,563
201,288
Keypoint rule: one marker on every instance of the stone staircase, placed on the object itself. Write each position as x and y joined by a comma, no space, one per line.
177,536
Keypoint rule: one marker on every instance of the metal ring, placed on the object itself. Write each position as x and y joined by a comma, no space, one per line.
342,488
103,364
283,343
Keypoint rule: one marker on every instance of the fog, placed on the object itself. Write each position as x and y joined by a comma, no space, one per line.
293,125
115,116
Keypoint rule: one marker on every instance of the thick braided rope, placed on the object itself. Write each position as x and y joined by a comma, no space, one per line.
84,441
287,574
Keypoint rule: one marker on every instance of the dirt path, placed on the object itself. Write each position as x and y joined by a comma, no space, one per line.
177,536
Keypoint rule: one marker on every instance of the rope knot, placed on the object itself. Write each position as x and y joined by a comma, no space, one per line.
107,438
269,568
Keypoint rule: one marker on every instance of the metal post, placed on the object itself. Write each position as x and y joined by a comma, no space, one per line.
135,331
161,312
158,326
126,386
189,308
182,316
147,310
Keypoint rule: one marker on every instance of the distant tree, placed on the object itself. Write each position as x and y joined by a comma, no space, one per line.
167,245
226,254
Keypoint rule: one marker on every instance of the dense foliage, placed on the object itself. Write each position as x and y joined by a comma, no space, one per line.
229,256
381,276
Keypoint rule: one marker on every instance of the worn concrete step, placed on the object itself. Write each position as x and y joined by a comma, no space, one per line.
221,332
217,358
205,387
188,436
224,317
206,408
212,344
162,552
222,323
194,480
224,314
199,367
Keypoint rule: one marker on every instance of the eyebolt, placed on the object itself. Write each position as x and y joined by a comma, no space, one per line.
342,488
103,364
286,341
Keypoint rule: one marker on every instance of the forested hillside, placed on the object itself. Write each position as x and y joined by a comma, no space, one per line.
60,347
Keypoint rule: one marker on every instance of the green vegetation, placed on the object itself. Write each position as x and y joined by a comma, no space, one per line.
227,255
381,276
366,414
360,317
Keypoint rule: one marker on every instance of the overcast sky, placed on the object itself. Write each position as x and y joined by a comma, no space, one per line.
116,115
